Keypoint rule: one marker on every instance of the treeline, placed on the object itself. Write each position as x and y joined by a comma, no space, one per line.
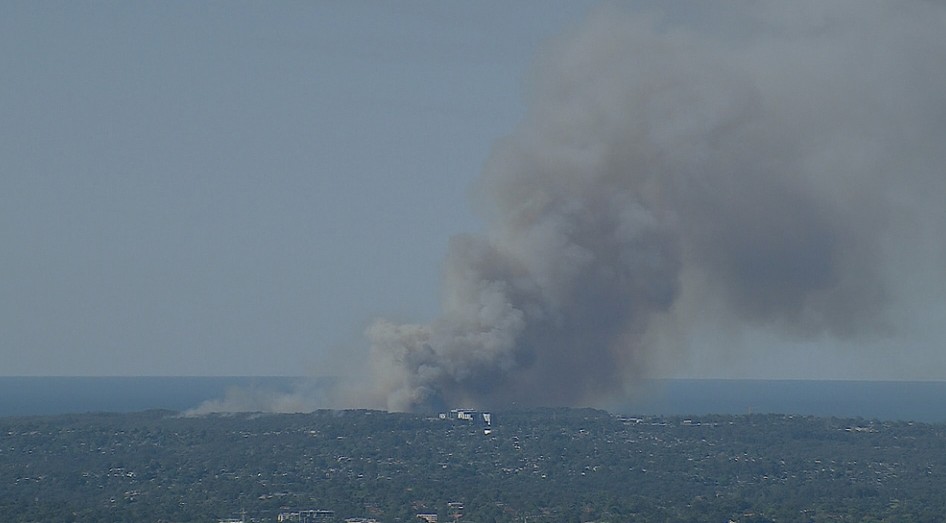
555,465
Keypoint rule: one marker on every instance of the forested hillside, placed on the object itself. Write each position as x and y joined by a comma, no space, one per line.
572,465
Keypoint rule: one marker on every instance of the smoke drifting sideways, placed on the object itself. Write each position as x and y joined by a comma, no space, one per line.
782,171
661,171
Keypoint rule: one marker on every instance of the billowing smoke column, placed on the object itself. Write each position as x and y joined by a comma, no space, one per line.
754,173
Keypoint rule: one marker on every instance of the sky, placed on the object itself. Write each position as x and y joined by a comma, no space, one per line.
200,188
247,188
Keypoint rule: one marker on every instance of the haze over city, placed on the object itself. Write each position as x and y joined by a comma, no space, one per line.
468,202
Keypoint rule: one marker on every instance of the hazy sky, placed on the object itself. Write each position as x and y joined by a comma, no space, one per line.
241,188
238,188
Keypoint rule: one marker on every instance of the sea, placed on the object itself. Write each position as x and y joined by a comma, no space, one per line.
920,401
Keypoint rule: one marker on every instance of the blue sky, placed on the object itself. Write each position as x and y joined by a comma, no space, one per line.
241,188
238,188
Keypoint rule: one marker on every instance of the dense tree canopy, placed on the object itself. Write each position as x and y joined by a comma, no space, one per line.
540,465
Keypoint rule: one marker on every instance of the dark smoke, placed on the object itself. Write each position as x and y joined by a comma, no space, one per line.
768,178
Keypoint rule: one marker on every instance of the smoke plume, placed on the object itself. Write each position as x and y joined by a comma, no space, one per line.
768,173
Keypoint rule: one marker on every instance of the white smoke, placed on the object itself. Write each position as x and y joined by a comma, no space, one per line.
771,178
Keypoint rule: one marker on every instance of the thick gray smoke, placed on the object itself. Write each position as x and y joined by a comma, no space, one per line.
770,173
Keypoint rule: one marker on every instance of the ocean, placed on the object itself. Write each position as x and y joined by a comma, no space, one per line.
33,396
923,401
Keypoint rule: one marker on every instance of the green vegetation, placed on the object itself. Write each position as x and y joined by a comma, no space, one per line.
561,465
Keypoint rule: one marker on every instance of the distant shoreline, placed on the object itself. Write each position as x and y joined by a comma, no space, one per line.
887,400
